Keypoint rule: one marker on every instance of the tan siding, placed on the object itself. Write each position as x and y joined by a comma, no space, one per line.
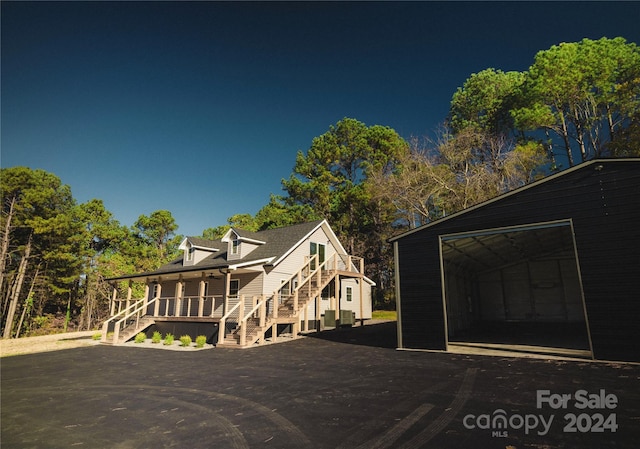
250,284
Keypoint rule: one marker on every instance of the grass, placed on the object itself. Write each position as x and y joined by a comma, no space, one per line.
384,315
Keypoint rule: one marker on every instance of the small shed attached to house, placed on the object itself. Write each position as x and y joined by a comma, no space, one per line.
555,263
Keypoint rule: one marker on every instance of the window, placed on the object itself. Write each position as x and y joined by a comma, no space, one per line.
190,252
235,246
234,288
156,290
328,291
287,288
349,294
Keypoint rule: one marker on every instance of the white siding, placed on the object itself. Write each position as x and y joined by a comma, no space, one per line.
294,261
354,304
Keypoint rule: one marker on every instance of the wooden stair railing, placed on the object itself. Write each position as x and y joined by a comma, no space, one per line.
254,324
132,319
222,326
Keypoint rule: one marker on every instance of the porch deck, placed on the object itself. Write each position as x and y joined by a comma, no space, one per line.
242,320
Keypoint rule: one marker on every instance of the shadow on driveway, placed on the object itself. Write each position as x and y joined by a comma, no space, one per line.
380,335
317,392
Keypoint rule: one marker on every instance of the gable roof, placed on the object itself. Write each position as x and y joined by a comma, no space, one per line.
278,243
244,236
200,243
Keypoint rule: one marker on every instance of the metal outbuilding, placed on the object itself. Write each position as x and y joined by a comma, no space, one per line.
553,264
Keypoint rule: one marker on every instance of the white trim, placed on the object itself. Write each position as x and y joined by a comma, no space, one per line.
505,229
252,262
227,235
248,240
332,238
204,248
183,246
226,238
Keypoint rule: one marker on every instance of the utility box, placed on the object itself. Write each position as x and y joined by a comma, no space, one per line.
347,318
329,318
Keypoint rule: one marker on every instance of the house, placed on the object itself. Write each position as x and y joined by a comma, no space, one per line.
247,288
553,267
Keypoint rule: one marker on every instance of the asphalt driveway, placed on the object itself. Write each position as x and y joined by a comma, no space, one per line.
346,389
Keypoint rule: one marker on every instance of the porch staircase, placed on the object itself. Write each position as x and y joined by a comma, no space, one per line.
271,311
239,328
127,326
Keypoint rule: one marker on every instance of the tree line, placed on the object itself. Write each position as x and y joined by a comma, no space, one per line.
576,102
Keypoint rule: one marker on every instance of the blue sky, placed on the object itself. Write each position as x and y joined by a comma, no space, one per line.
200,107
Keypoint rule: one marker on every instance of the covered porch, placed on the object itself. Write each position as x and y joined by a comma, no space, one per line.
240,313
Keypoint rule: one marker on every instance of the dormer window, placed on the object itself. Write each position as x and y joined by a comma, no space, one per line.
235,246
233,238
196,249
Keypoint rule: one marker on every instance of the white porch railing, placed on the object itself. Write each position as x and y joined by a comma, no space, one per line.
310,279
301,288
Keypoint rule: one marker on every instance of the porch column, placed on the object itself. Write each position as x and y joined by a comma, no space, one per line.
262,312
201,294
318,299
305,318
338,292
146,296
156,307
129,293
360,282
114,296
227,286
178,304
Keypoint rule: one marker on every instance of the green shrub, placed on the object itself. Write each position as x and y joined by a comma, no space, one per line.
168,339
140,337
97,336
185,340
201,340
156,337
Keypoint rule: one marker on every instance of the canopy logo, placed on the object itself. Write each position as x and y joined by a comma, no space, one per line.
499,422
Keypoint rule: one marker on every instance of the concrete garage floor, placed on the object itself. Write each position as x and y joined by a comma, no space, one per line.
343,389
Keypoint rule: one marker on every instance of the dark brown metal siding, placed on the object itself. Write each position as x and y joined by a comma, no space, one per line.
422,313
602,198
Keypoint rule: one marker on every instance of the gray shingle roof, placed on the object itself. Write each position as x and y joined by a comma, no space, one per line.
277,243
205,243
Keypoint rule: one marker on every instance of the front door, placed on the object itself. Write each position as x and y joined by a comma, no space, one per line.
319,249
